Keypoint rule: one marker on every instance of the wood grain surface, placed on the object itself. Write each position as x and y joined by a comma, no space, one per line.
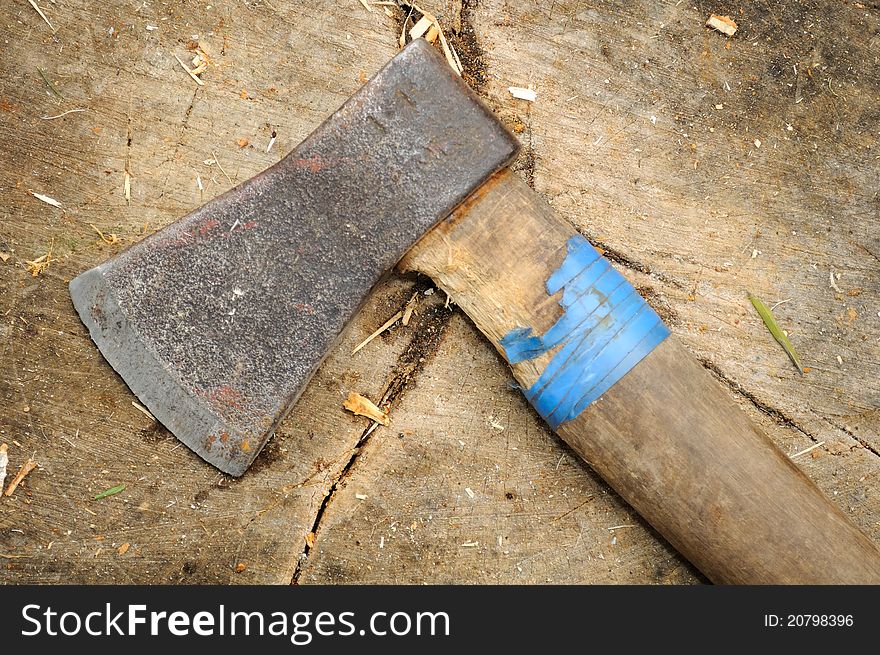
626,143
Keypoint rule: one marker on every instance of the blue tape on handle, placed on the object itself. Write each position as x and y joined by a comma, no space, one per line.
607,328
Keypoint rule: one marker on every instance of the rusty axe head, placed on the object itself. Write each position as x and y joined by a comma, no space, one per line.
218,321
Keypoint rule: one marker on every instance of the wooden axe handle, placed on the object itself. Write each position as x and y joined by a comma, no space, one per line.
666,436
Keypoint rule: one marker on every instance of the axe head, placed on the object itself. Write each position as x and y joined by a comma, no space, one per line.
218,321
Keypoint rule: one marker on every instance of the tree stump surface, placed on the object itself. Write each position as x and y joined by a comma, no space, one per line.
704,166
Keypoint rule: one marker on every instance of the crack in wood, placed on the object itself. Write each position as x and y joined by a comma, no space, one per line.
428,333
179,140
776,414
862,442
527,162
628,262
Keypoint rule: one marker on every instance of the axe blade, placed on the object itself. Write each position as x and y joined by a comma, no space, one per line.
218,321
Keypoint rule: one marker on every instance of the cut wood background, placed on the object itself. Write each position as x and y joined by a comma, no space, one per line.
704,166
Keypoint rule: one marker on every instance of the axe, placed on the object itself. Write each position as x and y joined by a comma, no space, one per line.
218,321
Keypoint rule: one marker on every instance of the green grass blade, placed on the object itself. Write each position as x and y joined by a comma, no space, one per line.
110,492
770,321
49,84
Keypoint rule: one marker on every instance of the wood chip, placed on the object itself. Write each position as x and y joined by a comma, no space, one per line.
366,6
310,539
361,496
421,26
4,460
26,468
123,549
201,60
363,406
188,71
4,256
429,27
723,24
46,199
521,93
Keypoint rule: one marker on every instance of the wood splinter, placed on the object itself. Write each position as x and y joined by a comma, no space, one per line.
4,460
363,406
404,316
26,468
